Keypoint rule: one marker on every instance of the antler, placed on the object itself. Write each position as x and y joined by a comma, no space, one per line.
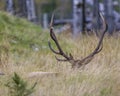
60,51
76,63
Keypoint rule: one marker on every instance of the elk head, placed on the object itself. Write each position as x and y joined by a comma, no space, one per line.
68,57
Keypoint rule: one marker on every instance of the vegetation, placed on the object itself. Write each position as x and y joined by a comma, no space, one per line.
24,49
19,87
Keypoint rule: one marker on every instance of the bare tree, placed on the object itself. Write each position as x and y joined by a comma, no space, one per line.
68,57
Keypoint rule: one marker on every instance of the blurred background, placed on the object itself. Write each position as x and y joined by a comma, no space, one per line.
80,16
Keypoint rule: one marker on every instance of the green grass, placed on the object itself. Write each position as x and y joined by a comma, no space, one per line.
20,32
18,38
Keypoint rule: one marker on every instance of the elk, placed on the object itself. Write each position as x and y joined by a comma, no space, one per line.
76,63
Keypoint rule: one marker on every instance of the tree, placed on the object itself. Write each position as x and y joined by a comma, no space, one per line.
108,9
9,6
77,17
96,17
22,8
84,16
30,10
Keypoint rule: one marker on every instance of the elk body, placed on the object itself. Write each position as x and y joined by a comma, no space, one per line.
68,57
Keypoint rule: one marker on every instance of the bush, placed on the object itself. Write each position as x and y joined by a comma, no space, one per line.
18,87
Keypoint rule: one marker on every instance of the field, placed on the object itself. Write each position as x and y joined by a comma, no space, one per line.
24,49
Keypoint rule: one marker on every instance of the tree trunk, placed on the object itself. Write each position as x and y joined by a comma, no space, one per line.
84,17
9,6
31,10
96,17
77,17
22,8
108,8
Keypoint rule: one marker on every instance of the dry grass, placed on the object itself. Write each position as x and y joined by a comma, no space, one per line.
99,78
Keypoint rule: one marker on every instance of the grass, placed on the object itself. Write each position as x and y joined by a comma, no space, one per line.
18,42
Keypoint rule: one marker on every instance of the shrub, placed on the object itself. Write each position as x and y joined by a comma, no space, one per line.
18,87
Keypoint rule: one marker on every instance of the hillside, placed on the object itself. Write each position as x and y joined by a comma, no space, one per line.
20,33
24,49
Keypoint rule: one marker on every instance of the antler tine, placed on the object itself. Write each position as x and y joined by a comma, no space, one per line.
53,37
58,59
104,22
70,58
100,45
52,48
51,22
